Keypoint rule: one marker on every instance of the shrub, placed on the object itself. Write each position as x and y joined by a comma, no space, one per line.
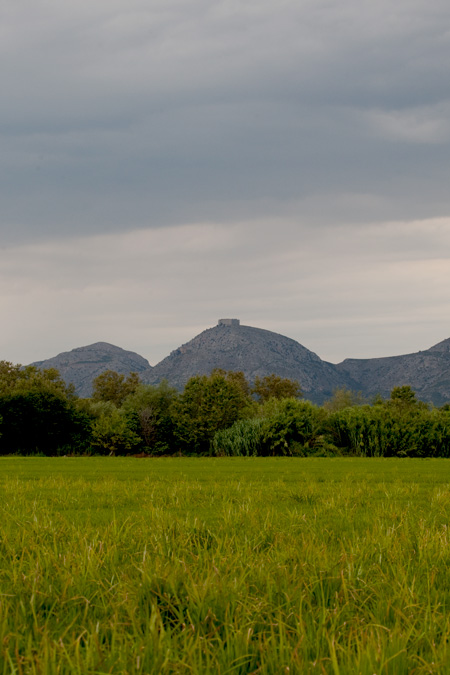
283,427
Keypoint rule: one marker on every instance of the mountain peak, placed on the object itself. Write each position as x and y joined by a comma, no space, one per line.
81,365
257,352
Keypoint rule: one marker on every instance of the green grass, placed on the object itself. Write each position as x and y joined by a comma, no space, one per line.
225,566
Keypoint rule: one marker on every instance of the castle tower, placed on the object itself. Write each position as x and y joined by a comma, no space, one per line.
228,322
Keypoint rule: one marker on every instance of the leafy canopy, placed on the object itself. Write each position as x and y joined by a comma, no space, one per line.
114,387
208,403
15,379
274,386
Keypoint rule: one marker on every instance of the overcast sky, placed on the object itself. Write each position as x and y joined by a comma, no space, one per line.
166,163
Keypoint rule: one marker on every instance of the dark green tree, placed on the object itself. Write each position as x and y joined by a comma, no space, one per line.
114,387
290,427
343,398
149,412
39,412
208,403
404,396
15,378
274,386
42,422
112,434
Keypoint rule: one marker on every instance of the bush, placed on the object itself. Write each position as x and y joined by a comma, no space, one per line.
283,427
290,424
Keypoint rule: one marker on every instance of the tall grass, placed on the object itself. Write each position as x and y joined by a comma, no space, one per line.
243,439
226,566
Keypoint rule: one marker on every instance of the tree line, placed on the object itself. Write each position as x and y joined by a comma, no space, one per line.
218,414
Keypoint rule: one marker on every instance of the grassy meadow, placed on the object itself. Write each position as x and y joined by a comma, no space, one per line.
224,566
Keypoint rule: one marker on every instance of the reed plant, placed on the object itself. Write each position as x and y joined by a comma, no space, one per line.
243,439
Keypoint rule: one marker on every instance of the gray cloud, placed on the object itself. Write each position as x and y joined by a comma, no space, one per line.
141,114
367,292
165,162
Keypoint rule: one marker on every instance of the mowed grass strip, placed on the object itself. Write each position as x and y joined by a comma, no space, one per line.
224,566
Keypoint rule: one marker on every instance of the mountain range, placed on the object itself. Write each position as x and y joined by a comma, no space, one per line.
258,352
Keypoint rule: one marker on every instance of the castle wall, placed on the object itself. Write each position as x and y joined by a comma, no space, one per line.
228,322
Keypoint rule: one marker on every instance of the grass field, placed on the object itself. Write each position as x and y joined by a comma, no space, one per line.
225,566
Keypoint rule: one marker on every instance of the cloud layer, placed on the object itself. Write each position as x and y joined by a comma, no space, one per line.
356,293
165,162
141,114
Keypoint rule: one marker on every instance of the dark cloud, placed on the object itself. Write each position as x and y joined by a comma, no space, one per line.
121,115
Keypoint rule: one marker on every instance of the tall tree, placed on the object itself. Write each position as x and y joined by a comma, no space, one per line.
114,387
208,403
343,398
15,378
149,411
42,422
403,396
274,386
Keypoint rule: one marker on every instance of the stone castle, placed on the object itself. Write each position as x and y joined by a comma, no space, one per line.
228,322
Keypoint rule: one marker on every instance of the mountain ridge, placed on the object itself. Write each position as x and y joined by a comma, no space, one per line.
427,372
258,352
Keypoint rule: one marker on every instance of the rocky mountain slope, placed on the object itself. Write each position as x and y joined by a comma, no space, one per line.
259,352
256,352
427,372
81,365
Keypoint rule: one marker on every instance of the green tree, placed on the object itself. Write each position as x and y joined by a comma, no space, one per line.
404,396
235,377
114,387
343,398
39,412
112,434
403,399
9,375
283,427
208,403
149,412
42,422
274,386
15,378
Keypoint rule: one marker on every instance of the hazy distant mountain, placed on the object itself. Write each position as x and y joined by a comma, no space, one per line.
427,372
259,352
81,365
256,352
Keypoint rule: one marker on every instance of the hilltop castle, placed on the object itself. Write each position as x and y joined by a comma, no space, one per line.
228,322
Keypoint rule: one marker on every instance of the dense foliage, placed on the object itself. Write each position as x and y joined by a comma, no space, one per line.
219,414
274,386
39,413
208,404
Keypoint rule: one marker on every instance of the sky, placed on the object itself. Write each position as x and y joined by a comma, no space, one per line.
166,163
